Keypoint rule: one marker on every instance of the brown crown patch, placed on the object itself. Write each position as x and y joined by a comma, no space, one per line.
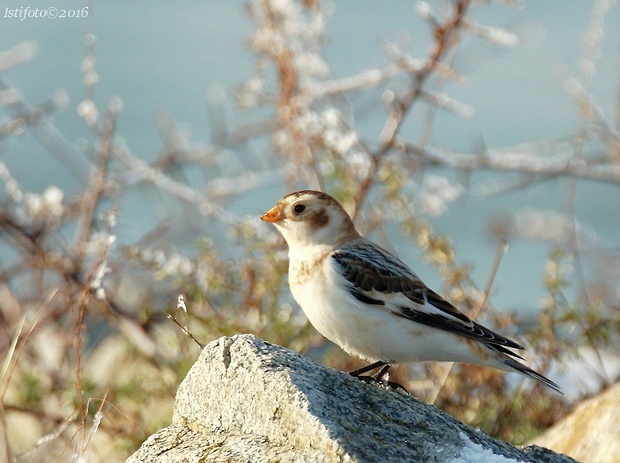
319,194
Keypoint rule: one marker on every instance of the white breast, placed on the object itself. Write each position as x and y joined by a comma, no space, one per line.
367,331
322,294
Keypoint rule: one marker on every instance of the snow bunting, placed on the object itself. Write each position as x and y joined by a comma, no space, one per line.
371,304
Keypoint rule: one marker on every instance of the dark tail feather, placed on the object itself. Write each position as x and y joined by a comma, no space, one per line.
532,374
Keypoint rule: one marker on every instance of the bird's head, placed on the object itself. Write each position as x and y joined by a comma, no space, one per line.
307,218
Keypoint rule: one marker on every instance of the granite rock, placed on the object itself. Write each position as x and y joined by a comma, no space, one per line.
246,400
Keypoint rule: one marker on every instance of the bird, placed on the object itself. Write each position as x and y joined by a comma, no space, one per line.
367,301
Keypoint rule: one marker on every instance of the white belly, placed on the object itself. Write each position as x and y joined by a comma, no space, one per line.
370,331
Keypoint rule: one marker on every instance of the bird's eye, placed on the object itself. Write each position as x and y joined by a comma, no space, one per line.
299,208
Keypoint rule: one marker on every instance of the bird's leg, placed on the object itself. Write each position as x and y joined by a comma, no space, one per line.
382,372
393,384
367,368
359,373
378,378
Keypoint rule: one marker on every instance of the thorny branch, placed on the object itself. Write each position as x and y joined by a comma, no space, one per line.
98,181
444,41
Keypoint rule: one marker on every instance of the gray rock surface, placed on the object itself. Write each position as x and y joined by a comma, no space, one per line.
246,400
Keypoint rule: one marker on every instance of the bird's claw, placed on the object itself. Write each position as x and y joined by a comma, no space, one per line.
383,382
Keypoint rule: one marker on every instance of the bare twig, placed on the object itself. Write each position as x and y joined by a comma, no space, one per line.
524,159
444,42
97,184
182,307
46,133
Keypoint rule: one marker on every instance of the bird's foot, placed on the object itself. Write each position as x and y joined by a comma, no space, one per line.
379,378
386,383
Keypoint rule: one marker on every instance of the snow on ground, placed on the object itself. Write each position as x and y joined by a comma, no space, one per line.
475,453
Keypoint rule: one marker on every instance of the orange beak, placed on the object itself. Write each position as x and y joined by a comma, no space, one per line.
273,215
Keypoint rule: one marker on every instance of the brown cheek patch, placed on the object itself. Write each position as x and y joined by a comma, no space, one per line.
319,219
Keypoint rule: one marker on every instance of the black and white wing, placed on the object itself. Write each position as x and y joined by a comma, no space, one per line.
375,277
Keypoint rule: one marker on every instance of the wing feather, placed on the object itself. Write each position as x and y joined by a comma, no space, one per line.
377,278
